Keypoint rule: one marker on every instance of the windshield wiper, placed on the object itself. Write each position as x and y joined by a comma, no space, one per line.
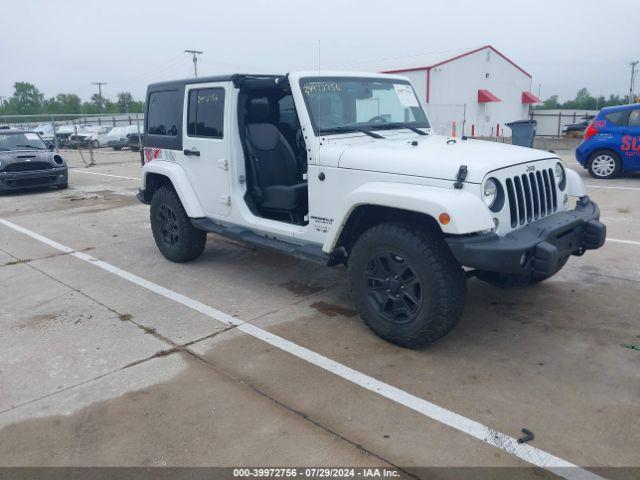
386,126
351,128
30,146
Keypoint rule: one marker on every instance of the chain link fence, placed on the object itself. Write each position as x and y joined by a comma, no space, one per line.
552,122
92,137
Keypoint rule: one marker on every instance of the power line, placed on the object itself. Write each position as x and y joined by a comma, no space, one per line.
195,54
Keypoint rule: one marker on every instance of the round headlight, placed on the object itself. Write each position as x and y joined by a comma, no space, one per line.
490,192
561,179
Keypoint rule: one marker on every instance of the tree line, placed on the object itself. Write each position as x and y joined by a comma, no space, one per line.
584,101
28,100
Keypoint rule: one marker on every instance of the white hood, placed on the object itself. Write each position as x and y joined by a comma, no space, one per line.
434,156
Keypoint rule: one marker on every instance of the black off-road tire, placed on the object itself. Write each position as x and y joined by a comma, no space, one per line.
508,281
177,239
423,253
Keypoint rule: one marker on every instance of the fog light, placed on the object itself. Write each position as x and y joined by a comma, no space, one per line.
496,222
565,199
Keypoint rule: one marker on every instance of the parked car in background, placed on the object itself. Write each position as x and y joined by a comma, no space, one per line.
46,134
134,140
26,162
63,135
611,142
118,137
93,136
576,130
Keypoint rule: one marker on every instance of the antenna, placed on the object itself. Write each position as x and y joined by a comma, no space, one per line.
195,54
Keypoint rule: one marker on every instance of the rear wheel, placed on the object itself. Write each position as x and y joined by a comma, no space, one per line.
604,164
406,285
177,239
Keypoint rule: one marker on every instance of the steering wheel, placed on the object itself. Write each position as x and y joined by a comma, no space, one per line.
378,119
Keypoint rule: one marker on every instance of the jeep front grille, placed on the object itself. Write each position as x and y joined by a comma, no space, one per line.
531,196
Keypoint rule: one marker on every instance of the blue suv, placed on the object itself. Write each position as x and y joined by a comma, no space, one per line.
612,142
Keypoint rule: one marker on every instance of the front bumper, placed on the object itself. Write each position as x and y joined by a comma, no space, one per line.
535,249
54,177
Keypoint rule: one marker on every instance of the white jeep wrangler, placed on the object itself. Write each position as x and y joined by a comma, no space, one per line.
342,168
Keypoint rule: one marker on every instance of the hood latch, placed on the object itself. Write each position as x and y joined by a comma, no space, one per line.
460,177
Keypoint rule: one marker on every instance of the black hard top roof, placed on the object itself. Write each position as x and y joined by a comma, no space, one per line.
233,77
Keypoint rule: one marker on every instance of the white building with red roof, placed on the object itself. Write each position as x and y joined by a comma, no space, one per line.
469,92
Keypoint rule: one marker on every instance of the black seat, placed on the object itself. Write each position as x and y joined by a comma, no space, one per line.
275,169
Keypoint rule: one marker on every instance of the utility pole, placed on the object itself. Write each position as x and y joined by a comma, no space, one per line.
195,54
633,80
100,84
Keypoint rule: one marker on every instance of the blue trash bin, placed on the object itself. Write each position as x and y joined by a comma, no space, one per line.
523,132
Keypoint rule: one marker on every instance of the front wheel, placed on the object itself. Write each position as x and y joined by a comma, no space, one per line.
604,165
406,284
177,239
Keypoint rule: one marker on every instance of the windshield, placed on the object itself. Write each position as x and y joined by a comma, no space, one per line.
21,141
343,104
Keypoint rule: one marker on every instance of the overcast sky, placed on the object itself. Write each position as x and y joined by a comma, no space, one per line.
63,46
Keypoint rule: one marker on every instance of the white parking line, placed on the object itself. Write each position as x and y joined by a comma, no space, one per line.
613,188
617,240
139,179
430,410
106,175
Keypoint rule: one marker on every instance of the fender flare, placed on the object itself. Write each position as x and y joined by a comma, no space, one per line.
467,211
575,185
176,174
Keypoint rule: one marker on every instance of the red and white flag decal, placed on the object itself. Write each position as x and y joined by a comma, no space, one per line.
151,154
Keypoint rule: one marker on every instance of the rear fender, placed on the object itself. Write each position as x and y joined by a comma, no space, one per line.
180,182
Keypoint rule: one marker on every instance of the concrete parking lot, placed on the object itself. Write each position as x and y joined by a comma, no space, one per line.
111,355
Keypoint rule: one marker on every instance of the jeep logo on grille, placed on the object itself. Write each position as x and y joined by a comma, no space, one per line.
531,168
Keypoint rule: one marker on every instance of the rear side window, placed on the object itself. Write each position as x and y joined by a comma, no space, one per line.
617,118
206,113
634,118
164,113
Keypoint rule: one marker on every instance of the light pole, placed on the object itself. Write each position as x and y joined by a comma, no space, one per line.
195,54
100,84
633,80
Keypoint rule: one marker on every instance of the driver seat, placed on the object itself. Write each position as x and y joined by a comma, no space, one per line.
276,178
